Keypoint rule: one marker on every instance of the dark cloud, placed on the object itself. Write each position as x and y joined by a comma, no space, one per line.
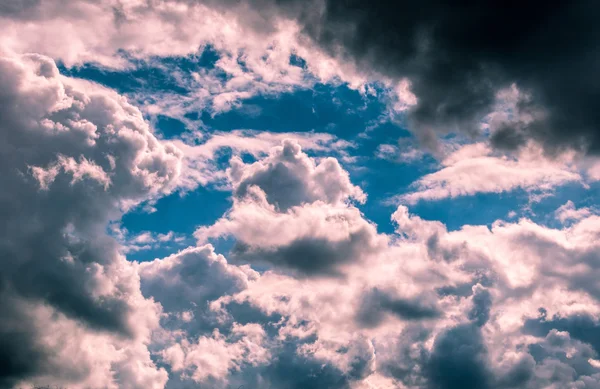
377,303
555,366
292,370
309,256
459,55
458,360
517,375
20,356
482,303
582,327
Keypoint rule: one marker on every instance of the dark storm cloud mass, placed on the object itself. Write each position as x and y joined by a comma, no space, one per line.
458,55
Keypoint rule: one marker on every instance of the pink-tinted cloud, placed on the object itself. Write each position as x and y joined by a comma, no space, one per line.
474,168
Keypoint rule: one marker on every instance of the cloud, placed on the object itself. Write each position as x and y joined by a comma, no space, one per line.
377,303
293,212
456,61
201,155
212,358
392,153
313,295
74,155
332,302
422,307
443,309
425,67
568,212
192,278
458,360
253,54
475,168
288,177
145,240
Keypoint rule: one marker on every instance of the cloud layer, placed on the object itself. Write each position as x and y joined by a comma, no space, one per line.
293,286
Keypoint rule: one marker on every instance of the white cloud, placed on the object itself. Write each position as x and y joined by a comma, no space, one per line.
475,169
200,155
288,201
74,155
421,289
144,240
335,305
254,48
568,212
215,356
524,267
394,154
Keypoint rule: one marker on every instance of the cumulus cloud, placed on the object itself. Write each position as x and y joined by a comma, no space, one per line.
337,305
288,177
312,295
213,357
445,309
202,150
291,211
456,62
442,309
191,279
74,156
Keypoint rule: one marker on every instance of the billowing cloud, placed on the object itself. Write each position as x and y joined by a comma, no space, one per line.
201,155
568,212
288,177
446,64
307,292
74,155
457,58
293,212
446,309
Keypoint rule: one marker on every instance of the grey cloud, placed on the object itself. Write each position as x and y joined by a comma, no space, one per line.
554,366
310,256
377,303
582,327
482,303
72,155
192,277
459,360
290,178
187,282
458,56
291,369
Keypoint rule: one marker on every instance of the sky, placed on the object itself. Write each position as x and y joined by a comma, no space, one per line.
299,194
